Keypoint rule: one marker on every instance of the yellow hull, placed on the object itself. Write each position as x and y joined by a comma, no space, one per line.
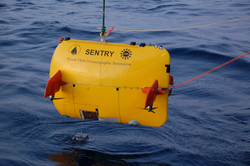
105,81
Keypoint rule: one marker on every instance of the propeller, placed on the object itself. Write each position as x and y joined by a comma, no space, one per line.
149,109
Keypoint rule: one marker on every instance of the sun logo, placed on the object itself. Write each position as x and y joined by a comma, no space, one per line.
126,54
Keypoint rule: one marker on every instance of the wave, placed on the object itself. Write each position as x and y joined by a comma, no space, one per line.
159,7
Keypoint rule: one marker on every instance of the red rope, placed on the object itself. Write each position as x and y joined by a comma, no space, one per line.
211,70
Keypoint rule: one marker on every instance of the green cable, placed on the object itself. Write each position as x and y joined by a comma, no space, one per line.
103,19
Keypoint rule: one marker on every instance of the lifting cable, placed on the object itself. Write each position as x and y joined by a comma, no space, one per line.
212,70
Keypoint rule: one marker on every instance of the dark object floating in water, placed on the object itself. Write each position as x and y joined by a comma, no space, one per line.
80,137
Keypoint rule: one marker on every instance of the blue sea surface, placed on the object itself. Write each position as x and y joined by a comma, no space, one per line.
208,121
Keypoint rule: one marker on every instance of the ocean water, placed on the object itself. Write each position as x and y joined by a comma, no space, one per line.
208,121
